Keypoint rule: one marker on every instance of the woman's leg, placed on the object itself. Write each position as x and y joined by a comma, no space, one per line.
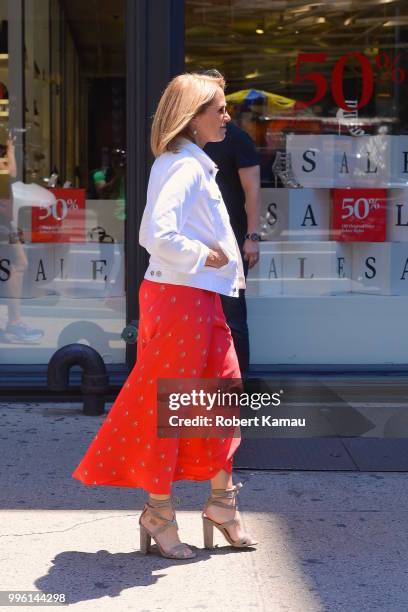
226,366
222,480
159,497
169,537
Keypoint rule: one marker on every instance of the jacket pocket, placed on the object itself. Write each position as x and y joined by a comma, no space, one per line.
222,229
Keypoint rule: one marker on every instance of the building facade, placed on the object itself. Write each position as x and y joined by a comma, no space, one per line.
321,88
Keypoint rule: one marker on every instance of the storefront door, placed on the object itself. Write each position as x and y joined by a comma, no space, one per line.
79,83
63,177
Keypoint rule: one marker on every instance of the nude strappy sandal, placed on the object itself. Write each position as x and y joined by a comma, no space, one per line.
209,524
176,552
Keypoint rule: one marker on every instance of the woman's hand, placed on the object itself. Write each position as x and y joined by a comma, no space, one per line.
216,258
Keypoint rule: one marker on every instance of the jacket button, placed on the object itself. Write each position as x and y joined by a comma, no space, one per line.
151,272
158,273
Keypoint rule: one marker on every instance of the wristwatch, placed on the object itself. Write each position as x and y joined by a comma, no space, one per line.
254,237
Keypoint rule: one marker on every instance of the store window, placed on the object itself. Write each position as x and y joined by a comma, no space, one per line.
62,178
322,88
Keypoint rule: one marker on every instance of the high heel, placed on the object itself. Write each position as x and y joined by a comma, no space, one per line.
179,551
209,524
208,532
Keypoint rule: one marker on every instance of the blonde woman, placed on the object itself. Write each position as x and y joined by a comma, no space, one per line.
194,257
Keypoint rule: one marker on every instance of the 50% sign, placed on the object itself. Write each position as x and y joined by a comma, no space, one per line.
359,208
59,209
62,219
384,64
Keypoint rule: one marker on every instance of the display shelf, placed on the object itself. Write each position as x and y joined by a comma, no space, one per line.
4,57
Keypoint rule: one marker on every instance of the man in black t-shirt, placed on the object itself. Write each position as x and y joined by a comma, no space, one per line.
239,181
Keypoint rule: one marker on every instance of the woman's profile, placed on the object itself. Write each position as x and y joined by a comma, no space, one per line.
194,257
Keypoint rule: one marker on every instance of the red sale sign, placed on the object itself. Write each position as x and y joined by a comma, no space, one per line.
62,221
359,215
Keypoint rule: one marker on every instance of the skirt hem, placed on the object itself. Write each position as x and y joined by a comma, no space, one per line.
152,489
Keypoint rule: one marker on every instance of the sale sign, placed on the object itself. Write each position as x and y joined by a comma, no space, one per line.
61,221
359,215
384,63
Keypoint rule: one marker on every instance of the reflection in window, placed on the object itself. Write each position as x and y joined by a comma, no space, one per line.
322,88
62,179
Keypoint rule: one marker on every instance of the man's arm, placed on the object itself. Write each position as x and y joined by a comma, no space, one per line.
106,189
250,179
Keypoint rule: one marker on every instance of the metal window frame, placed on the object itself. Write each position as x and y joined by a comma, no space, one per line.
155,53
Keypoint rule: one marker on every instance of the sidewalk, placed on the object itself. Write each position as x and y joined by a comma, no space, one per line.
333,542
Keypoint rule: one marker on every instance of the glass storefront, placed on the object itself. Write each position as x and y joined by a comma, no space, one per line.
322,89
62,178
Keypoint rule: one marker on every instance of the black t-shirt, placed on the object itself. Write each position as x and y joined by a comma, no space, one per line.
236,151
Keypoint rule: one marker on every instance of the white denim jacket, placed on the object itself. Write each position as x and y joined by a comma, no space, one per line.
184,217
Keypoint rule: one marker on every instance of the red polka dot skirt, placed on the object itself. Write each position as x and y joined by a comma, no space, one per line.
182,334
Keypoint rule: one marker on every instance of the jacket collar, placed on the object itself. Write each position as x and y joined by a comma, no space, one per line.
198,153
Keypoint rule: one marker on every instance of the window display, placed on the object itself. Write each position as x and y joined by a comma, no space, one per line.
62,274
322,90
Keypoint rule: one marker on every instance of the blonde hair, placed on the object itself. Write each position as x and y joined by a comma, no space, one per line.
186,96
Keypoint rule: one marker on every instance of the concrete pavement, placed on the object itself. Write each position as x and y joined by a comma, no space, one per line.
333,542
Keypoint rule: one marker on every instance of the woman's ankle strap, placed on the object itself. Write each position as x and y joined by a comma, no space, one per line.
229,493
